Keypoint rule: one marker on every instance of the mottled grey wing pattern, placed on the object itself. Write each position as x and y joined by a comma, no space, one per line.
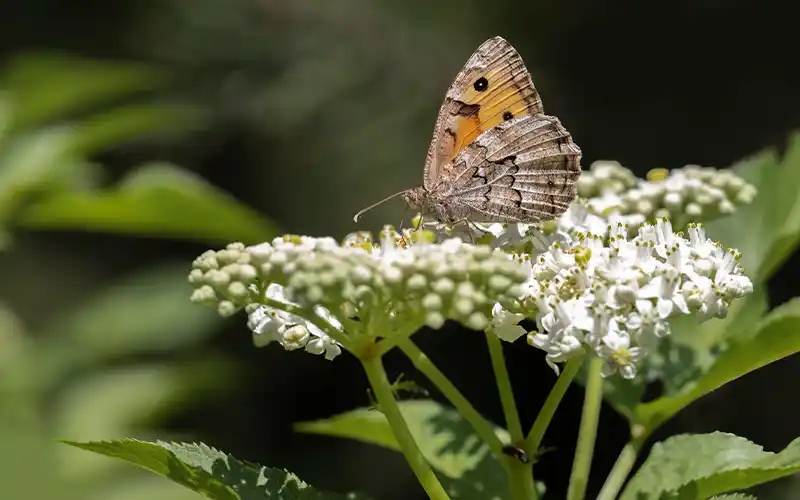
492,87
523,170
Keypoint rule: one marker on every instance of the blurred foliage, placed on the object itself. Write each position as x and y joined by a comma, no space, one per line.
309,111
108,367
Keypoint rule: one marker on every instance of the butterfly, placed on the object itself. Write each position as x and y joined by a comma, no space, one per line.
495,156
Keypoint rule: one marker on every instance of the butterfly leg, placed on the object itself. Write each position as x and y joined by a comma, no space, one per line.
466,221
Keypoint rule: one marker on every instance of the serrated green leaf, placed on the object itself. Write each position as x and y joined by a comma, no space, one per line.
446,440
156,200
775,338
690,467
734,496
444,437
211,472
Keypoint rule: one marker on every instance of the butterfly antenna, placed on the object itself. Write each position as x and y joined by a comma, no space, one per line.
356,216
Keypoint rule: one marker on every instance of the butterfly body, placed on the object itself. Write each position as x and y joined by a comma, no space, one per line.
495,156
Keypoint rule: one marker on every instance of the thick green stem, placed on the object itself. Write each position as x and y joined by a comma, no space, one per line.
535,436
520,480
593,401
373,366
504,387
481,426
622,467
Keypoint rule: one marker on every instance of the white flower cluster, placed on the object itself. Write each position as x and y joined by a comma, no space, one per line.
599,278
316,294
615,298
689,193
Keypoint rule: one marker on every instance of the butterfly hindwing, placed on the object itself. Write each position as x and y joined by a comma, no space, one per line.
494,86
523,170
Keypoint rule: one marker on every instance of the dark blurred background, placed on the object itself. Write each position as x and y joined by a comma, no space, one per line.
307,111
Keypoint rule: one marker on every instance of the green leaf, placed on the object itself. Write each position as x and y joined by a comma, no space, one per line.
42,87
693,346
444,437
699,466
34,163
772,221
775,338
145,312
468,469
125,123
210,472
139,487
156,200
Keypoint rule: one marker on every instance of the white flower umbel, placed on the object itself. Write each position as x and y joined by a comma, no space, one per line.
615,297
317,294
689,193
597,278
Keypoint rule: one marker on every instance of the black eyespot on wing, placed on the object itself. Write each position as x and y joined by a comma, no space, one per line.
508,115
481,84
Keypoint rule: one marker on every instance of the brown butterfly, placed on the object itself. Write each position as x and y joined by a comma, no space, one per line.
495,156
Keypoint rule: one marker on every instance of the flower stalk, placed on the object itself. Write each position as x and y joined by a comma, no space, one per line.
534,440
388,406
481,426
593,400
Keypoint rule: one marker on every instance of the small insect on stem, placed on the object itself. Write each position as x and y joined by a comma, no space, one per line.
516,453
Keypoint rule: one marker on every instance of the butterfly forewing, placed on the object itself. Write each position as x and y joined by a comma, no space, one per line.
523,170
494,86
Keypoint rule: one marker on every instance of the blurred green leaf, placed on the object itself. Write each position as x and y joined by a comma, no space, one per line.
42,87
767,231
156,200
106,406
27,466
114,126
775,338
445,439
699,466
36,162
623,395
148,311
733,496
142,487
209,471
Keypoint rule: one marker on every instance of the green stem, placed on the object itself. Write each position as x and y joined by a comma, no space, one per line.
622,467
373,366
592,403
481,426
504,386
535,436
520,480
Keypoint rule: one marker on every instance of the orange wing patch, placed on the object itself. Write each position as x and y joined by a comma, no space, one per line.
492,87
502,105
